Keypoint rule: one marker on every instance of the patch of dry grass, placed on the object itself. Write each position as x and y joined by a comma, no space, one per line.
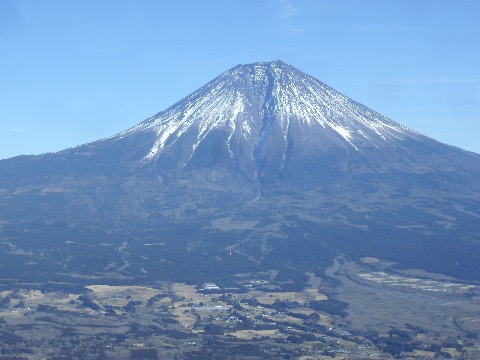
187,320
186,291
249,334
270,297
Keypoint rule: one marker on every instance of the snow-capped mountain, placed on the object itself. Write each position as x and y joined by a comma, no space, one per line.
260,154
253,103
250,107
267,122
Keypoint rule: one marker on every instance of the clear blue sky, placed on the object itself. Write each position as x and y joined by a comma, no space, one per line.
75,71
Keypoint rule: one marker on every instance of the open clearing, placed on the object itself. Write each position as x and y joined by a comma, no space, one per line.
249,334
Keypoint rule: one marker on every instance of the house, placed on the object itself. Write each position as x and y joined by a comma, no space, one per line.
210,286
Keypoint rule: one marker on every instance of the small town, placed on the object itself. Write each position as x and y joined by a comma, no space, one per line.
183,320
